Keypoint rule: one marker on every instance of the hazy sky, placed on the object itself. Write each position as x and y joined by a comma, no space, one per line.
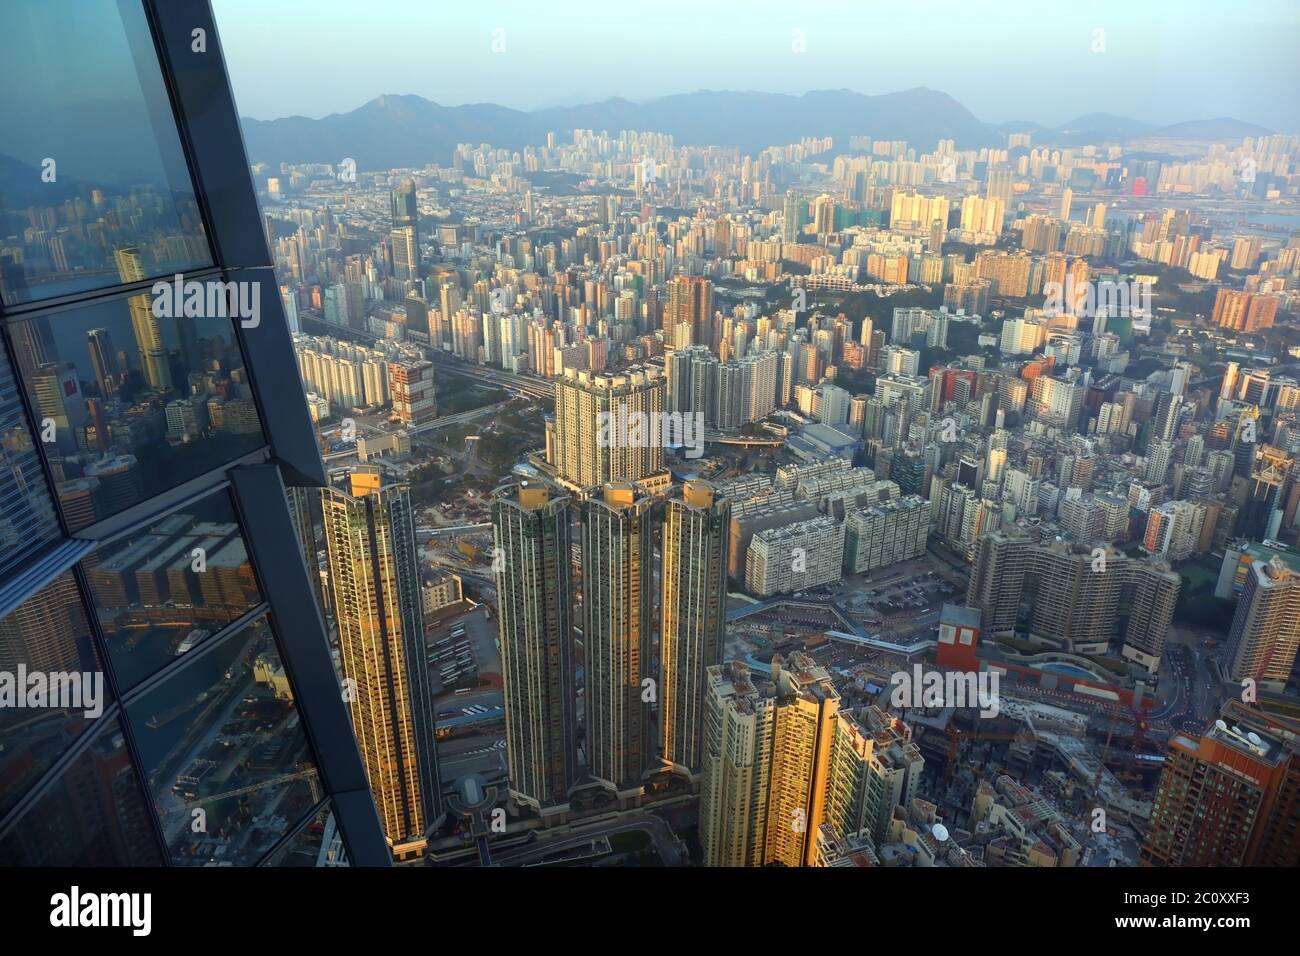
1163,61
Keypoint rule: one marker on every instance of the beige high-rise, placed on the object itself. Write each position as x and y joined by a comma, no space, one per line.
1075,595
608,427
781,760
1265,630
375,592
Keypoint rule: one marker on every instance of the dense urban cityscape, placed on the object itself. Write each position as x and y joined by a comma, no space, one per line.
1024,411
643,500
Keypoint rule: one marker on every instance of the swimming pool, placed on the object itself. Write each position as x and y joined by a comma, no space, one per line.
1069,670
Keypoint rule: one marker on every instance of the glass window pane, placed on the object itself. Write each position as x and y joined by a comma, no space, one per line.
27,521
227,760
137,404
52,685
161,591
319,844
304,509
91,165
94,814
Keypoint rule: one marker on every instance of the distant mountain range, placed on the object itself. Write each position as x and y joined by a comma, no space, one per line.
1106,127
107,143
407,130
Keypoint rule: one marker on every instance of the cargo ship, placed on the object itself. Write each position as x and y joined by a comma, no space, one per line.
163,718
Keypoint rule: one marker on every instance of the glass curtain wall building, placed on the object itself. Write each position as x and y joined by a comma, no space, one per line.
167,694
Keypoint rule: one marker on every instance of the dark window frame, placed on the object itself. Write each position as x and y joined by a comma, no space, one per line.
207,124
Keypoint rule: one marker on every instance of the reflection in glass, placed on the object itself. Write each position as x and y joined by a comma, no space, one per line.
27,521
45,642
138,404
319,844
227,760
161,591
304,509
90,160
93,815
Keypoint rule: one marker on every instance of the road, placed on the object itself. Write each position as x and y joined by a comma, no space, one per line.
1192,691
452,529
582,833
477,753
529,387
446,421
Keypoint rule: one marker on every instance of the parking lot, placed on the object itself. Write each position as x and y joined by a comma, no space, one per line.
899,596
480,635
471,732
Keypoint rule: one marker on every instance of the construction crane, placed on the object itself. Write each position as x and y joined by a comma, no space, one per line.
311,775
1140,723
1105,751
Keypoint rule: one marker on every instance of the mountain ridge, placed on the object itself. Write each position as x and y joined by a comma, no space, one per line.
396,130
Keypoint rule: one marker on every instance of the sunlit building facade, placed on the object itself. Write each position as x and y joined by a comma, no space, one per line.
374,581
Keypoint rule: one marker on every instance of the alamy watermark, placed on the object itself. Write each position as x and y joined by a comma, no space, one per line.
921,688
624,428
194,299
128,910
69,690
1089,299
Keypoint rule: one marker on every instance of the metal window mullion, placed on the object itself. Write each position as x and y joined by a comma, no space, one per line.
201,650
304,650
171,507
49,308
29,413
208,126
272,369
212,140
149,510
42,567
151,16
128,734
293,832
